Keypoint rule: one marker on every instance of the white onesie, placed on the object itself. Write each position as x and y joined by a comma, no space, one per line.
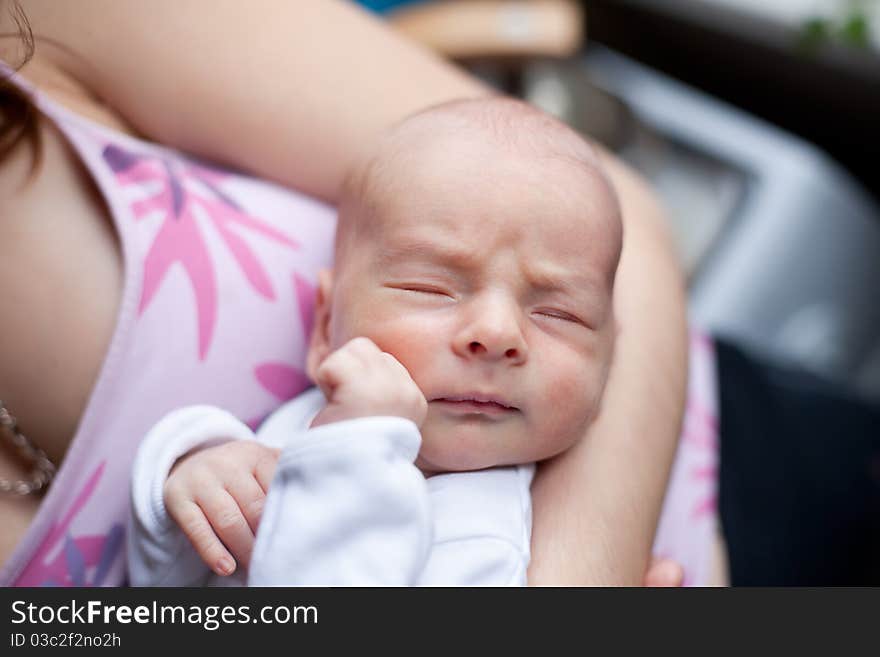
347,506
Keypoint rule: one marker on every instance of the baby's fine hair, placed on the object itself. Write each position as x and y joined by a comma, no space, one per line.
508,123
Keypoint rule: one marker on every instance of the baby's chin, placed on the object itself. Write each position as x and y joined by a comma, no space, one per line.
461,446
435,462
469,446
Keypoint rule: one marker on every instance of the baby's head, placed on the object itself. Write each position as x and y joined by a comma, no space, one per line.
478,245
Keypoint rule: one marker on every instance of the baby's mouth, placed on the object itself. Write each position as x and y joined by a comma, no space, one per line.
476,404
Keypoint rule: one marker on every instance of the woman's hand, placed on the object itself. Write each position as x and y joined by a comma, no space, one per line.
664,573
216,495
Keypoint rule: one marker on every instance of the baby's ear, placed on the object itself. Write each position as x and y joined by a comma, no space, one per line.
319,343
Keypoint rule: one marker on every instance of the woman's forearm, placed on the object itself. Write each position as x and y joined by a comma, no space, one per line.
596,506
292,91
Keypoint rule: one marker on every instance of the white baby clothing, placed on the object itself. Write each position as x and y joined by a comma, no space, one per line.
347,506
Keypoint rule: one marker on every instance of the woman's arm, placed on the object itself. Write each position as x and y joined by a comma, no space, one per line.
294,91
597,505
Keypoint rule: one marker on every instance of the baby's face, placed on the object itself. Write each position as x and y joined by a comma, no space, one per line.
490,280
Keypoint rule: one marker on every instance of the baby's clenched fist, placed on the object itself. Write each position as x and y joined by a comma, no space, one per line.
361,380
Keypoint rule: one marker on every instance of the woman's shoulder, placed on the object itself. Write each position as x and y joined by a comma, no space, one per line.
45,77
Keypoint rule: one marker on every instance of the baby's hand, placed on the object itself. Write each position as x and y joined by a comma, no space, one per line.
360,380
216,496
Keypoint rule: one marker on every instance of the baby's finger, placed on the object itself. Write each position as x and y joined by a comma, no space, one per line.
192,521
363,348
229,524
264,470
250,496
340,366
396,367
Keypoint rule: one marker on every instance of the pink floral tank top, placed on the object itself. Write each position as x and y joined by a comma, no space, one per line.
220,272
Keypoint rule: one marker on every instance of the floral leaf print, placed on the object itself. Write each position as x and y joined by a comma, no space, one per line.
305,297
81,555
112,546
705,506
76,563
40,568
242,253
700,431
285,381
185,190
180,242
282,381
77,555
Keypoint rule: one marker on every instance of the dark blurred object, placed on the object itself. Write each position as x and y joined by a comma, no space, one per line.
799,478
830,95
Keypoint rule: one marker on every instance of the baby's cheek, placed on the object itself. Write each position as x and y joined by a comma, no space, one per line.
409,341
569,401
572,381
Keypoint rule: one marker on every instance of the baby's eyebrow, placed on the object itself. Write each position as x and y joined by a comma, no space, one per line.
444,254
562,281
550,284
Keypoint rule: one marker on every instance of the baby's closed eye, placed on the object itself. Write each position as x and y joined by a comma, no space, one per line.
421,288
559,314
562,317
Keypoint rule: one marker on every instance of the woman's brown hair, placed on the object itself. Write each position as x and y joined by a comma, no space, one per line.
19,117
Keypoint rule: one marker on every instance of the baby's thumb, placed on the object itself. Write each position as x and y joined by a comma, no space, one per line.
327,380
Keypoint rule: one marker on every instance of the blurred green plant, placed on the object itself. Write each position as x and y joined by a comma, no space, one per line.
852,27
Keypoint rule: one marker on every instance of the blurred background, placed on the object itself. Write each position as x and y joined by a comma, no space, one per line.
757,121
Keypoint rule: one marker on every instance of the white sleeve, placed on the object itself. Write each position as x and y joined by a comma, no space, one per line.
158,552
347,507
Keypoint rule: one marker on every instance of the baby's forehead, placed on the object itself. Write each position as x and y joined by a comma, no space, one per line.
500,126
482,144
450,162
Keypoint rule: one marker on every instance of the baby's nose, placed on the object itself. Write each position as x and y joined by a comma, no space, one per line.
479,349
494,334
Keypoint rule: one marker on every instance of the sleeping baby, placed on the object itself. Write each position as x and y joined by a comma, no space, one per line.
464,333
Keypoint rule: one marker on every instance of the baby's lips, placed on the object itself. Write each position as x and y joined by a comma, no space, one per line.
488,399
